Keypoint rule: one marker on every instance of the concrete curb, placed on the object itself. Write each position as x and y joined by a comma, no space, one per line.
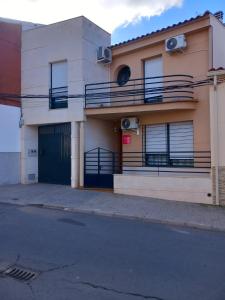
131,217
120,215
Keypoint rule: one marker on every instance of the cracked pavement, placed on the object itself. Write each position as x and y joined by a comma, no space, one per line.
88,257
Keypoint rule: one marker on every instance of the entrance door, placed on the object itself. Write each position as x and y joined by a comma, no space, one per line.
153,69
54,159
99,166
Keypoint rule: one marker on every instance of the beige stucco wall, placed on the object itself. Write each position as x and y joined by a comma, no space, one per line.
101,133
195,189
75,41
192,61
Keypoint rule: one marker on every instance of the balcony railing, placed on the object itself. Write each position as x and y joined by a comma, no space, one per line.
148,90
58,97
184,162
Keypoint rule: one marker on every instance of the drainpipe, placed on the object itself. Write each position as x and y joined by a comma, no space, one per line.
216,138
22,146
21,121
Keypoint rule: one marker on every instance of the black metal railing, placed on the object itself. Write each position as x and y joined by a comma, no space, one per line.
172,162
139,91
58,97
101,161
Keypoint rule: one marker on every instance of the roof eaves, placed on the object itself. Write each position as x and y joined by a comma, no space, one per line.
206,13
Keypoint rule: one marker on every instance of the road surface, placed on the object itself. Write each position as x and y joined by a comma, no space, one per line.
88,257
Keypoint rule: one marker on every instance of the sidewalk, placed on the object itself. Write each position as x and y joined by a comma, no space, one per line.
109,204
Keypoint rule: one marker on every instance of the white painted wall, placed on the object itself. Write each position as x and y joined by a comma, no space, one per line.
100,133
29,164
218,42
9,129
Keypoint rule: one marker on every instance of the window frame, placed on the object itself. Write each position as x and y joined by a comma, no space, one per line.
60,101
166,159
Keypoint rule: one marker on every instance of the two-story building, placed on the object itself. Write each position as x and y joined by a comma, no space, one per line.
140,125
157,104
57,61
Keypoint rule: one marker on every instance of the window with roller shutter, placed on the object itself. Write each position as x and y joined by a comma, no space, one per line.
169,145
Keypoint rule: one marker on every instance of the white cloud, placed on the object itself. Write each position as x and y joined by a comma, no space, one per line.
109,14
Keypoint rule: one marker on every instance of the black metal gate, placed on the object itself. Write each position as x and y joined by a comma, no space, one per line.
99,166
54,157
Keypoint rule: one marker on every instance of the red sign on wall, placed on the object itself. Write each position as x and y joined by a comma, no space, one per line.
126,139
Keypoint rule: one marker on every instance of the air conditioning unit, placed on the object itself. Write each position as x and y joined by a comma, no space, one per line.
176,43
104,55
129,123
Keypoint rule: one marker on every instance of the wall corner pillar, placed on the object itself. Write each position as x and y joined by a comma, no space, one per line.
74,155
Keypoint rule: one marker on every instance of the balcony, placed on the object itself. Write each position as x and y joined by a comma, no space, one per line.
170,92
58,97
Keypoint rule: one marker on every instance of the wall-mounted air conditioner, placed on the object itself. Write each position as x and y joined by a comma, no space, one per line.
104,55
129,123
176,43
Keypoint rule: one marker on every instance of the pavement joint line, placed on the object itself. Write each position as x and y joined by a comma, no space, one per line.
120,215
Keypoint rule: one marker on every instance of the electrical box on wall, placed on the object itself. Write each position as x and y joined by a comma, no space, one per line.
32,152
31,177
126,139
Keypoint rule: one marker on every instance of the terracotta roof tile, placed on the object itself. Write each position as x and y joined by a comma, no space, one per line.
217,69
206,13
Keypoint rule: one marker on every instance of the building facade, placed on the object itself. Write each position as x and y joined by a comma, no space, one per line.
141,125
165,151
57,61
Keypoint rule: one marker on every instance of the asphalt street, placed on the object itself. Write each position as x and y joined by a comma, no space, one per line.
88,257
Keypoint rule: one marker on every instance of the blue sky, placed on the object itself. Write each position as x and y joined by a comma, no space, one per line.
111,14
190,8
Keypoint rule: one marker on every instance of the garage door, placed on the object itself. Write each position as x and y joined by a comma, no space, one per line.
54,161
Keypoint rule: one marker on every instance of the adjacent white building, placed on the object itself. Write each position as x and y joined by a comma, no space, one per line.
10,144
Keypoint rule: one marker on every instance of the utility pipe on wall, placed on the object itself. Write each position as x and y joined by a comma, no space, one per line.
216,137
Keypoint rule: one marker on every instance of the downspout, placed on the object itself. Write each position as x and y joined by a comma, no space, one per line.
216,138
21,121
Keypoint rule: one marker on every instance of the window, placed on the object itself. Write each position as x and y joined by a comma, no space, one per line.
123,76
169,145
58,86
153,69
